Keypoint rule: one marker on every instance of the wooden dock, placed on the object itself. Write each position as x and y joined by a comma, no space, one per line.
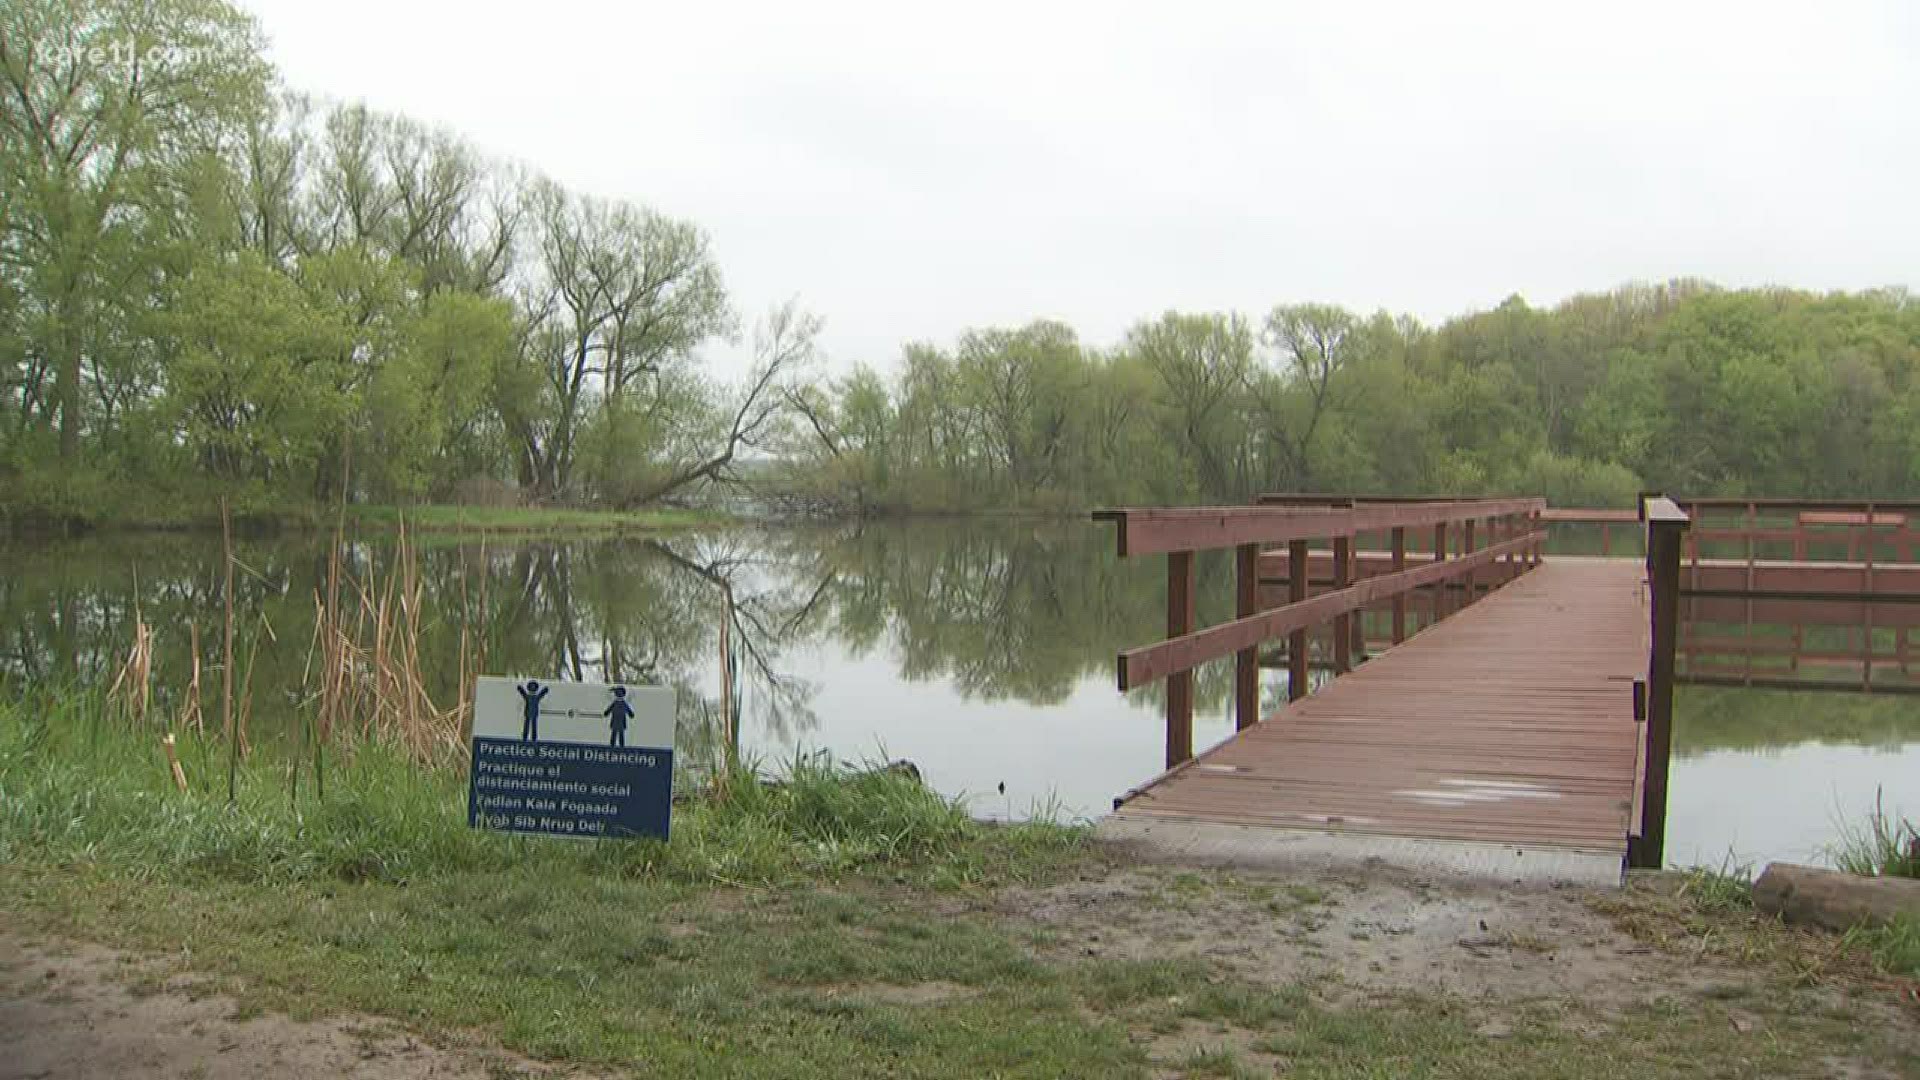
1502,741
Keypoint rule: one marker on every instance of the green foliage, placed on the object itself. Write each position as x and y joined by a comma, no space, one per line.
1883,846
1895,946
210,288
1682,387
75,785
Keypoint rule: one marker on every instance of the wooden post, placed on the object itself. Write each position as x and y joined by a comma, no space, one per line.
1439,587
1180,590
1342,624
1494,569
1866,646
1399,599
1499,529
1467,548
1665,528
1246,663
1298,676
1357,626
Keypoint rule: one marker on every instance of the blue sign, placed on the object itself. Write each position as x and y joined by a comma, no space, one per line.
556,759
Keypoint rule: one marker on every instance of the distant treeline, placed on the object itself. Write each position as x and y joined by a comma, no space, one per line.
1682,387
210,286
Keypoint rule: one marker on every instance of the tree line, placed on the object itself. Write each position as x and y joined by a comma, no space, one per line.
1680,386
209,284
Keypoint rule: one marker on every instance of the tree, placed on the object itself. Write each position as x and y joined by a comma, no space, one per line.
620,300
1315,343
784,348
102,104
1202,362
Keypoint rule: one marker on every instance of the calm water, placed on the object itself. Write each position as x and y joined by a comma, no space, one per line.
982,651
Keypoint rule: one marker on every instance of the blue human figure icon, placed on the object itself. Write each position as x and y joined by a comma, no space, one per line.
531,695
617,715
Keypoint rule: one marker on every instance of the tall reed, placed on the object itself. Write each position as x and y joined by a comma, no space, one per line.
371,678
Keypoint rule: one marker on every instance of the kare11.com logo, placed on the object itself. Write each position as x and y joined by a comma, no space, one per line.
125,52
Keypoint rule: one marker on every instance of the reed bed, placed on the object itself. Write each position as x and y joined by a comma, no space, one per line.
365,671
366,679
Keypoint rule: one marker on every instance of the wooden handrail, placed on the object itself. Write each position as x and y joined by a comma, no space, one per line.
1149,663
1588,515
1156,530
1511,543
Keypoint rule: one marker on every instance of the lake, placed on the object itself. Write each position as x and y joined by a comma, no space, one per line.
982,650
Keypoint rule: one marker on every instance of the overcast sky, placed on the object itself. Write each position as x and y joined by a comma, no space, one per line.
909,170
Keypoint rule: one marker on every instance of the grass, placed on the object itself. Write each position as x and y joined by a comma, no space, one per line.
1883,847
439,518
839,924
1708,912
74,786
200,511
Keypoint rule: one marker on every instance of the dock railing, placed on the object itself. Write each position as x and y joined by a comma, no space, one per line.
1508,545
1666,528
1753,530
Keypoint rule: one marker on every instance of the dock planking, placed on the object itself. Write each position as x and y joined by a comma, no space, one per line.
1509,723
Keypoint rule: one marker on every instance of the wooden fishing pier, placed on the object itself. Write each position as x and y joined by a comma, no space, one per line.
1516,723
1482,706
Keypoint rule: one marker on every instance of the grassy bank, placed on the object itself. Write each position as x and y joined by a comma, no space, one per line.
840,924
201,513
534,519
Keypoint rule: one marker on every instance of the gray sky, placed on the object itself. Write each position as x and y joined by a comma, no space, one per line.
909,171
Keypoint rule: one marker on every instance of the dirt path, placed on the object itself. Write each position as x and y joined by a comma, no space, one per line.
1382,930
1363,935
76,1011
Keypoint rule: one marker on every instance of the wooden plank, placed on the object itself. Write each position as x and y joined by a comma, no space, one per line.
1510,722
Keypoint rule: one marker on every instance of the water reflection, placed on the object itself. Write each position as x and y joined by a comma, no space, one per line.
982,650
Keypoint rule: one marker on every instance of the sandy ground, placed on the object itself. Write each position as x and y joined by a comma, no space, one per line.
1384,930
75,1011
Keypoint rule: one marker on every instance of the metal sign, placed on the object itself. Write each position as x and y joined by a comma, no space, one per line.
571,758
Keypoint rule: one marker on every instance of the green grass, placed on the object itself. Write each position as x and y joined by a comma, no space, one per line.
839,924
1883,847
435,518
201,511
74,786
1895,947
1727,887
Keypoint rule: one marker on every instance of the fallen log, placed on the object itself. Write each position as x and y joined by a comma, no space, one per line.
1811,896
